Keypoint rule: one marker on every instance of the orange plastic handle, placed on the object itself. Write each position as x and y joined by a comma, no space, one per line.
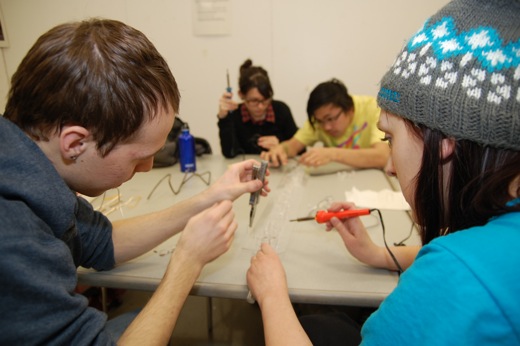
323,216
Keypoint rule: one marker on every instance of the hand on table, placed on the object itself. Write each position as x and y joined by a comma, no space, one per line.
315,157
276,156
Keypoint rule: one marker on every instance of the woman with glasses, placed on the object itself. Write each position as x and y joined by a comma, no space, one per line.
258,123
345,124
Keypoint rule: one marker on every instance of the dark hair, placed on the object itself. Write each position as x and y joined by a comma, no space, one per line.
254,77
331,92
99,74
477,186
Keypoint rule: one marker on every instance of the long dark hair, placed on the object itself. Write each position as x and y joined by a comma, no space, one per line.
477,187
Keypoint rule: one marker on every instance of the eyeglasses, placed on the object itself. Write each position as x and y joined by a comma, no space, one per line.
256,102
328,120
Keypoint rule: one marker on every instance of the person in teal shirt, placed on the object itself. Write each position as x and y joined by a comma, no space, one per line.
450,112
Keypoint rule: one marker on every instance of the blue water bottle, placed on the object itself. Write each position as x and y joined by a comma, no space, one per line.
187,150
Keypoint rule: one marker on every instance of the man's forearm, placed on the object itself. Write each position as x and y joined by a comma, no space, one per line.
134,236
155,323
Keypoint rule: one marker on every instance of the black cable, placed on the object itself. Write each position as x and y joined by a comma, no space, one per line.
401,243
399,268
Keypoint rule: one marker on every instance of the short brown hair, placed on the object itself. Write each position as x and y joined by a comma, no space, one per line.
100,74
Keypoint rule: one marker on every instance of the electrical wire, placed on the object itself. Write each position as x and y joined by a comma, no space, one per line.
401,243
396,262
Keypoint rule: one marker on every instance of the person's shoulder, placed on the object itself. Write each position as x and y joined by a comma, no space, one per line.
500,230
366,106
280,106
498,238
365,99
278,103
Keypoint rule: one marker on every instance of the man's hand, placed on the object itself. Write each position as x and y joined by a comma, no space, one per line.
208,234
237,180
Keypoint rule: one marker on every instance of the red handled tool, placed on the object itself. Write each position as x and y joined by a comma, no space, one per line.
323,216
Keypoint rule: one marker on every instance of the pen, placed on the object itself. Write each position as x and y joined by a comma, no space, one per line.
323,216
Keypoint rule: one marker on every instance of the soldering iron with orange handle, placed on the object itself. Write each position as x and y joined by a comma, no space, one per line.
323,216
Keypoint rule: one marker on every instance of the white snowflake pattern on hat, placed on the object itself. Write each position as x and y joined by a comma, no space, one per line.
480,46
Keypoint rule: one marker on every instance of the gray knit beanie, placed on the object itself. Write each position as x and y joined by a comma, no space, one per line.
460,74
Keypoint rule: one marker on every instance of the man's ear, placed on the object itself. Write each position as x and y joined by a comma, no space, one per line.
448,146
72,141
242,96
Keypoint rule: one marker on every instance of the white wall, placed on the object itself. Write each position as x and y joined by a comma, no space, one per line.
300,42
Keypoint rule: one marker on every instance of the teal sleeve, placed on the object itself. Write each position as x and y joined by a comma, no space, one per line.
440,301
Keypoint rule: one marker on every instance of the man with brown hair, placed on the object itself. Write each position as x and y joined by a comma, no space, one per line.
89,106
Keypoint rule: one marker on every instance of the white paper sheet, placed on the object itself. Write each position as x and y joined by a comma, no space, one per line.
384,199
